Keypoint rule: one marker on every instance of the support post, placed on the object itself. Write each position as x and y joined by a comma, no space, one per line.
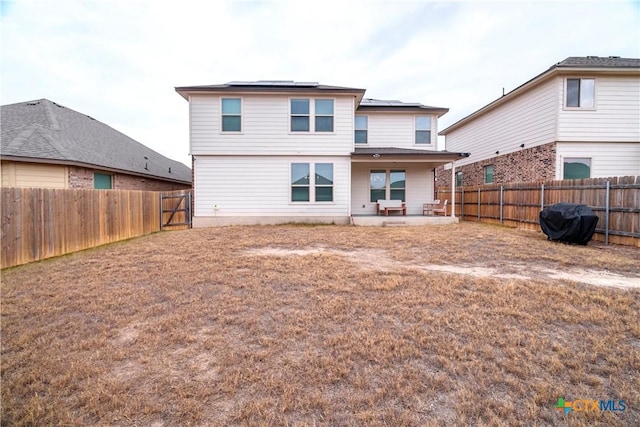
479,194
453,189
606,214
542,197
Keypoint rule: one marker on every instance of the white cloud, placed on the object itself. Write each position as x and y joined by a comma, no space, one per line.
119,61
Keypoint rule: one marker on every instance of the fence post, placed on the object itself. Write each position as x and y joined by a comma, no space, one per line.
542,197
606,214
501,190
462,202
479,204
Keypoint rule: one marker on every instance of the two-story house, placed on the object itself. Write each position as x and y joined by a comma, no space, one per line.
578,119
281,151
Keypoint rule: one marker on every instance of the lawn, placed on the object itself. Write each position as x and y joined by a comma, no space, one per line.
465,324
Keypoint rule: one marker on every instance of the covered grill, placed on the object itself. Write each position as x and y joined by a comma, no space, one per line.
568,222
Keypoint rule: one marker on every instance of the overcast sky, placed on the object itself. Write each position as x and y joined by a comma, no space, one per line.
119,61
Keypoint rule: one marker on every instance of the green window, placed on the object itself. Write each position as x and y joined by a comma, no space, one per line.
423,130
231,115
102,181
459,179
299,115
361,129
577,168
324,115
488,174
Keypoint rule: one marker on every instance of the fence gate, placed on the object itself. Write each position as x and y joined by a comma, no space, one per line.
175,210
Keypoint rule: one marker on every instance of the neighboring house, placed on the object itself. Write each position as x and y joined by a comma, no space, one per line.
44,144
578,119
282,151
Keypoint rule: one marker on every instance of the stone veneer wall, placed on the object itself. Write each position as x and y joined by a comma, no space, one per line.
529,164
83,178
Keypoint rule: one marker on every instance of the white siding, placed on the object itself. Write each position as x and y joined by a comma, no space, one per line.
396,130
265,127
18,174
419,186
259,186
616,116
528,119
607,159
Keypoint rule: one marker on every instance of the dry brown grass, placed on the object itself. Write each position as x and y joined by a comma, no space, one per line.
230,327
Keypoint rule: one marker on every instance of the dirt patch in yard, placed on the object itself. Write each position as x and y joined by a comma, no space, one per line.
380,260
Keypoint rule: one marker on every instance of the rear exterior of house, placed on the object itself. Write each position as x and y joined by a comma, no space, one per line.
579,119
279,151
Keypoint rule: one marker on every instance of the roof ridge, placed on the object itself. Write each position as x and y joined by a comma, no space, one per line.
48,108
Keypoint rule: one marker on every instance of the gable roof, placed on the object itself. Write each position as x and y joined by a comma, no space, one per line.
42,130
371,104
611,64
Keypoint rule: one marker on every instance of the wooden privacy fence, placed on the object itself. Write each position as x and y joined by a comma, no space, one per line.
616,202
39,223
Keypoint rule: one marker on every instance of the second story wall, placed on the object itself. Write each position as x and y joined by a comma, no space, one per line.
397,130
614,117
529,119
266,126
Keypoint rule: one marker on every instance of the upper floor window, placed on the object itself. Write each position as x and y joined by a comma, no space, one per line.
488,174
362,122
300,115
423,129
231,115
581,93
324,115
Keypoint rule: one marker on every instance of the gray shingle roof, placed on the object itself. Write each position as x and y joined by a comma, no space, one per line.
45,130
267,86
393,151
598,62
368,104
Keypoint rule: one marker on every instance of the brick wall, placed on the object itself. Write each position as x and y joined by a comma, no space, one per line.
528,164
83,178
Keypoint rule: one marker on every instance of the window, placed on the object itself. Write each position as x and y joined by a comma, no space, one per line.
324,182
423,130
577,168
324,115
102,181
300,115
488,174
362,122
379,189
581,93
301,182
231,115
459,179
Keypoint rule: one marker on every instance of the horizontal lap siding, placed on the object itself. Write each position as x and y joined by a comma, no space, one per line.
616,117
265,128
18,174
607,158
260,186
419,186
528,119
396,130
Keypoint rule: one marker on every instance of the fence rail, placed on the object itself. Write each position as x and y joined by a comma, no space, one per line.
616,202
39,223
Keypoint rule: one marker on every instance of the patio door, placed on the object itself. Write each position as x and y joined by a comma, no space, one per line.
388,184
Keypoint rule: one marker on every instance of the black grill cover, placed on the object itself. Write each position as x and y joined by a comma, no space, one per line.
568,223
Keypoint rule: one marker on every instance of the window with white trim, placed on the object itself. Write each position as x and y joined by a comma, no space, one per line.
300,113
580,93
576,168
387,184
361,131
312,182
423,129
324,115
231,115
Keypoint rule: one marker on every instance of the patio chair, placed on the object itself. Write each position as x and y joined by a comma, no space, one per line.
427,208
441,210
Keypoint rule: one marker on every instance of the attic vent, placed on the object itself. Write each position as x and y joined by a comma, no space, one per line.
169,170
592,57
614,57
91,117
33,103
